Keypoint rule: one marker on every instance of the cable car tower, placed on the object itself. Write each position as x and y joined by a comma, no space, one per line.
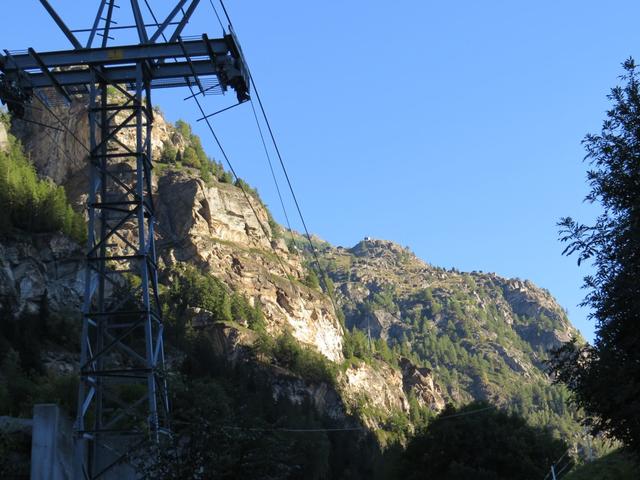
122,398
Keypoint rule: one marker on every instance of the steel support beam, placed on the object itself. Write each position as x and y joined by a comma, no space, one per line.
107,23
121,55
185,19
96,22
169,71
52,78
137,15
167,21
56,18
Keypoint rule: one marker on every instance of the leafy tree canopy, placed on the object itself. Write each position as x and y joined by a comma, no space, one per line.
604,376
477,442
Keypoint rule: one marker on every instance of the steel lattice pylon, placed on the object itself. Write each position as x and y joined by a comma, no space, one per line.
122,398
122,391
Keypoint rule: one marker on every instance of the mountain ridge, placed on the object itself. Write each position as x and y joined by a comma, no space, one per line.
398,338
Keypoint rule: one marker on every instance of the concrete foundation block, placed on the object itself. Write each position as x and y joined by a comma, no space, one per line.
51,444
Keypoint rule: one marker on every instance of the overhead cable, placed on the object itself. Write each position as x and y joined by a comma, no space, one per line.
323,274
273,174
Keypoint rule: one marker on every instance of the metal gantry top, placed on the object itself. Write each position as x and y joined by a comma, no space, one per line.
71,71
172,63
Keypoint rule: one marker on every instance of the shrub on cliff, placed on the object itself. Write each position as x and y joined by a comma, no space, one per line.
191,288
286,352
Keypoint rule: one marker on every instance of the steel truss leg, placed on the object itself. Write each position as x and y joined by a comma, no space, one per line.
122,394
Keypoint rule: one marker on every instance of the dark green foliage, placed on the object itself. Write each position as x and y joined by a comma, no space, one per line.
193,155
355,344
20,388
240,183
384,352
468,444
225,429
23,380
15,454
27,334
199,152
190,159
169,153
243,312
183,128
226,177
31,204
615,466
227,424
603,377
385,298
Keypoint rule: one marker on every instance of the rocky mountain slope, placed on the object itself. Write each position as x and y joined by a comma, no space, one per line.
436,336
483,336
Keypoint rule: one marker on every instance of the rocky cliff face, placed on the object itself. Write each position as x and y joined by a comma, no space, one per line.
41,268
375,266
444,327
529,301
211,225
214,226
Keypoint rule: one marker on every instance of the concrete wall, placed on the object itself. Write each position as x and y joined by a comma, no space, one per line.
53,447
51,444
53,456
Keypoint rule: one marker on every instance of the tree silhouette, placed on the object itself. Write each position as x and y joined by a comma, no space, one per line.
604,376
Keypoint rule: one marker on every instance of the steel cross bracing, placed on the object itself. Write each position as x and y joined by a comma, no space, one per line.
123,397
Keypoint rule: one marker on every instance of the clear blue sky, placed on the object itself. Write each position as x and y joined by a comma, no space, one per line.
450,127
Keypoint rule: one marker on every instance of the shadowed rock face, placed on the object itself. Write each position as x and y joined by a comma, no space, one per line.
56,154
41,268
527,300
62,155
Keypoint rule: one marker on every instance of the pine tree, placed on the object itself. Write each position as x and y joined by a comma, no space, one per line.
604,376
